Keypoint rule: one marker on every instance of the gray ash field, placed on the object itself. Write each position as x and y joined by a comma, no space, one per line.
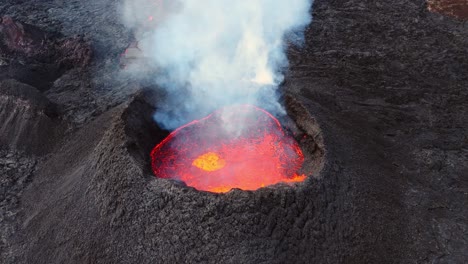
380,86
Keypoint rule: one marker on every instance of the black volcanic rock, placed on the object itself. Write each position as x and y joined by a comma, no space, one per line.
380,87
21,38
28,121
36,57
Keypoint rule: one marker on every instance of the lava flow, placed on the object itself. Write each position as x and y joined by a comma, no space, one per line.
241,147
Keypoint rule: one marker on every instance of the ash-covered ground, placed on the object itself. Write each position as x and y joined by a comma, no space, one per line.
386,85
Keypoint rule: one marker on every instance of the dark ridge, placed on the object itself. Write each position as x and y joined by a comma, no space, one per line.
141,129
29,122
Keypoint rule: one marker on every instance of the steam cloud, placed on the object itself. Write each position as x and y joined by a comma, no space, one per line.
213,53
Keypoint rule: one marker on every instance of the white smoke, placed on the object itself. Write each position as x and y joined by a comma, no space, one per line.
213,53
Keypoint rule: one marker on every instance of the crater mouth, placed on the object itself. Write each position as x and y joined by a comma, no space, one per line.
240,146
236,147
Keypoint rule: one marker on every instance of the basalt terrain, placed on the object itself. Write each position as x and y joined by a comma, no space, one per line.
379,88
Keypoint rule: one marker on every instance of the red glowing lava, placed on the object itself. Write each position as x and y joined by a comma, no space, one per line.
241,147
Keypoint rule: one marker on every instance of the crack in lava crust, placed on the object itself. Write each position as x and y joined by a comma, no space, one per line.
241,147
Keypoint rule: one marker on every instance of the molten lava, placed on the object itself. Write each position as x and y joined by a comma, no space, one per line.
241,147
209,162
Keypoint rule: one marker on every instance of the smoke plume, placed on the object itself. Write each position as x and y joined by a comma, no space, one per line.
213,53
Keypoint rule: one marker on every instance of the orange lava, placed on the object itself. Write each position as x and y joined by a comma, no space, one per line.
241,147
209,162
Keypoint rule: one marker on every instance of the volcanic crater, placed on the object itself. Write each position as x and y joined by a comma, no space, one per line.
142,134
